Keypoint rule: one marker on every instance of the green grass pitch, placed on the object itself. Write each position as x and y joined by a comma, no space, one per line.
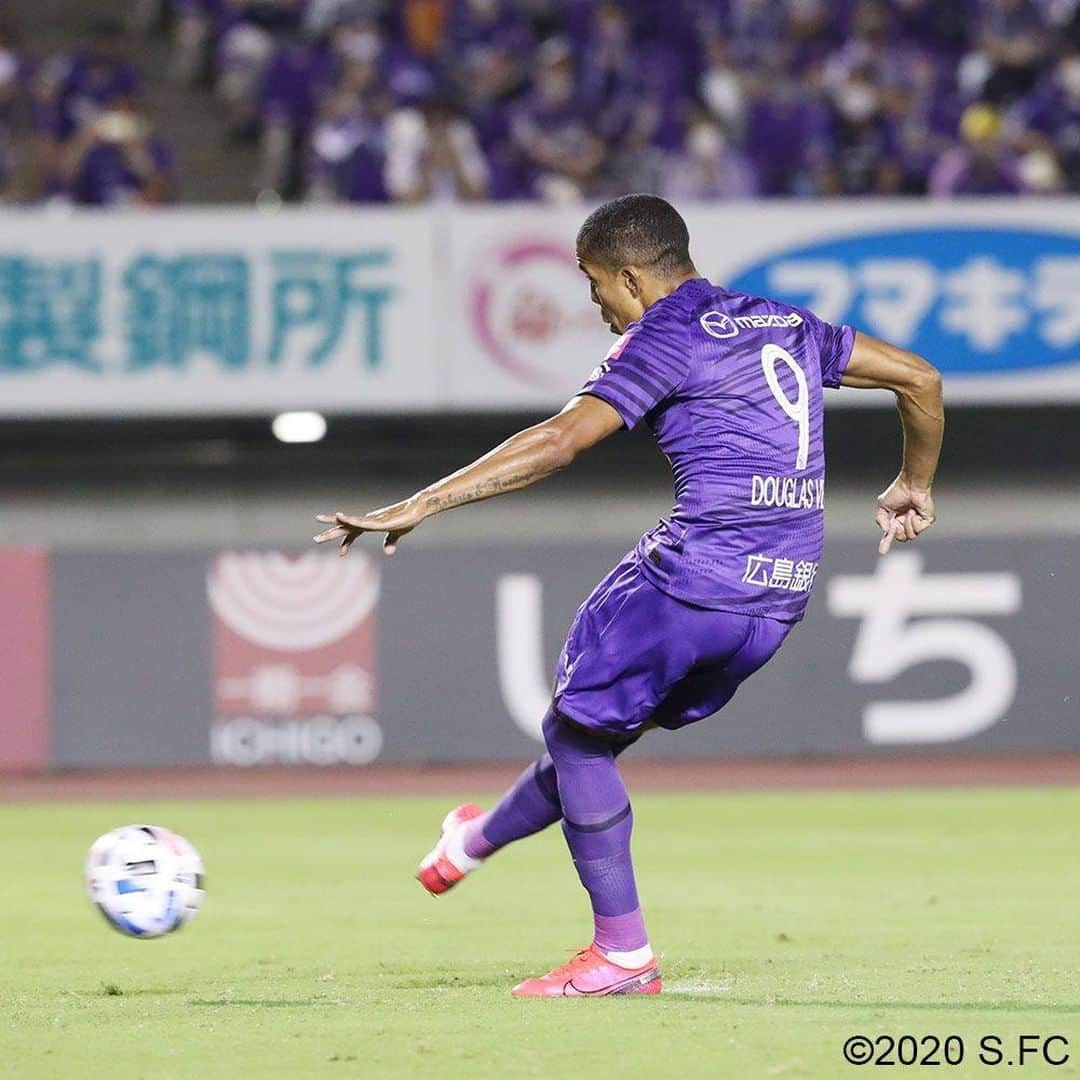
786,923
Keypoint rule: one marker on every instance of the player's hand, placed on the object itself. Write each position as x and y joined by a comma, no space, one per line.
396,521
903,512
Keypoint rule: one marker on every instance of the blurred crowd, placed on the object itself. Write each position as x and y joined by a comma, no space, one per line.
376,101
72,126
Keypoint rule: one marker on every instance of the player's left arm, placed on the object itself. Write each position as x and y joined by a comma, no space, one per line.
906,507
531,455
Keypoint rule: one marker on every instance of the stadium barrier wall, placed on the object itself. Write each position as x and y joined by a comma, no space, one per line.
241,658
202,311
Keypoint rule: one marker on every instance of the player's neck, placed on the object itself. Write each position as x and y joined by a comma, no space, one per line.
659,288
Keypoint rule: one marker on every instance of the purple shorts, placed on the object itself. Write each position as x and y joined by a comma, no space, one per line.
635,654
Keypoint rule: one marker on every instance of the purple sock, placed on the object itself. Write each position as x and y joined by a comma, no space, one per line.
597,822
531,804
620,933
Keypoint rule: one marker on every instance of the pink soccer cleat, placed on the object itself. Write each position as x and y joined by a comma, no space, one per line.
591,974
446,864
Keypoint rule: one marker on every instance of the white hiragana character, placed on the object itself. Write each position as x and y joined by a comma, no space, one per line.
910,617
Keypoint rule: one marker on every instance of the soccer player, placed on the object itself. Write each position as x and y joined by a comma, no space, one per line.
731,387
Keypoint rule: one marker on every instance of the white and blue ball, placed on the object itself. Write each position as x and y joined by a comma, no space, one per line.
146,880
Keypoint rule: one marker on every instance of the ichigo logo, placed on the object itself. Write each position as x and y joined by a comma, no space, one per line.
294,659
529,311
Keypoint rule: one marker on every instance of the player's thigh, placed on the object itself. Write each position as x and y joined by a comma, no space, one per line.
762,643
627,650
710,686
599,610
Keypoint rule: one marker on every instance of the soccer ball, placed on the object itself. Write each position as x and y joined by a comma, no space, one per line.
145,880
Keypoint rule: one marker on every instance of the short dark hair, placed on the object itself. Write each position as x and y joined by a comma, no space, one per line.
637,230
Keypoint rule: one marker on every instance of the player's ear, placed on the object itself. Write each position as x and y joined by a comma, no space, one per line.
628,277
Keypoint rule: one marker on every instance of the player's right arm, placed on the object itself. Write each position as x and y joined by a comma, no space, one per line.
906,507
523,459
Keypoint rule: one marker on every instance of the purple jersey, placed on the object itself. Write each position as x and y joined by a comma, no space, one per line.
730,386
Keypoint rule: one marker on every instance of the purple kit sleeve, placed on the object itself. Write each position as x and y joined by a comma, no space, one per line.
834,346
645,366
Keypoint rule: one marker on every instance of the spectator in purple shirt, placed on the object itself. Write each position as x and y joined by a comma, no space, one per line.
432,155
874,50
983,165
486,24
294,81
98,76
787,134
46,82
249,32
669,75
12,73
709,170
300,73
292,87
1013,46
485,59
1048,119
925,115
560,149
487,81
722,83
359,35
863,158
756,29
811,35
635,162
116,160
347,150
610,80
942,29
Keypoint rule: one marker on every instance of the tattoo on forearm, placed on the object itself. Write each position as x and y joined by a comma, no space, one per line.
484,490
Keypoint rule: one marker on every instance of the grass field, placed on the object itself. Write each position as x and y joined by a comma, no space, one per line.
786,922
